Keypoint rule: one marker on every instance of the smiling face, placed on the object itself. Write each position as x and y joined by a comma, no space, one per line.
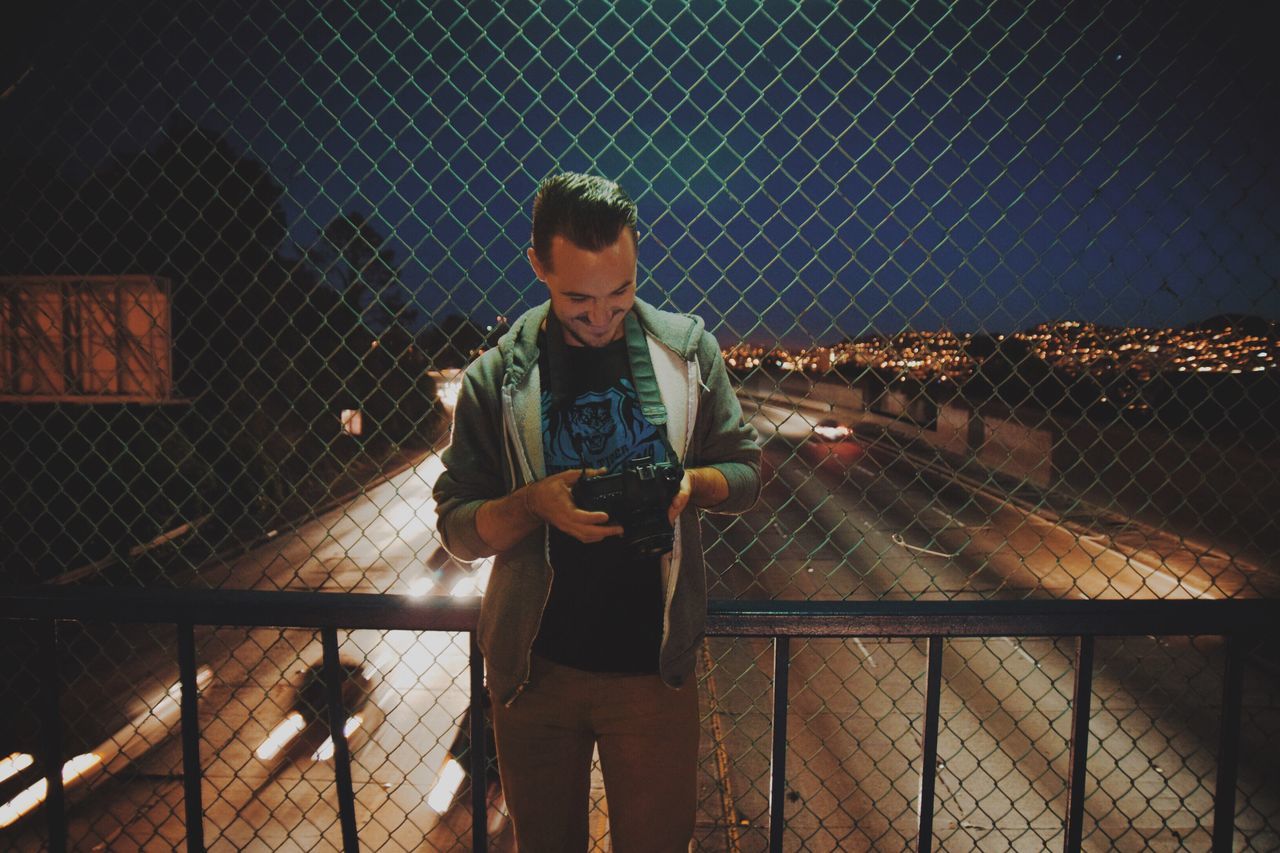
591,292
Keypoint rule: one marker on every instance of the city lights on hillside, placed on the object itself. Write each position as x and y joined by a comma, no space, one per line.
1072,347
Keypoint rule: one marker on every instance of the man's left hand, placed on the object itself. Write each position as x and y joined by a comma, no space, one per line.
704,487
681,500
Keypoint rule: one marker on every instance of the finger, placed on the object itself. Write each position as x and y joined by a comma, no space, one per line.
592,517
595,534
678,503
581,519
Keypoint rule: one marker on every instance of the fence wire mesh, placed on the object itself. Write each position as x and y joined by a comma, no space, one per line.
996,283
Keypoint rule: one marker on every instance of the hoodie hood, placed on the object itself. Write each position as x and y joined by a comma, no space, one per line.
679,333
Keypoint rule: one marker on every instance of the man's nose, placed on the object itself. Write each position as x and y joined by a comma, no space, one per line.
599,314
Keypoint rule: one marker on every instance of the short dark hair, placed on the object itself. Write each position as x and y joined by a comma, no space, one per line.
588,211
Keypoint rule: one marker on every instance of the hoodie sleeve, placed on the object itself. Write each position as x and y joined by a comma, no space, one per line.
722,438
473,461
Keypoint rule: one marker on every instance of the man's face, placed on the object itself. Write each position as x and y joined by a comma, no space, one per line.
591,292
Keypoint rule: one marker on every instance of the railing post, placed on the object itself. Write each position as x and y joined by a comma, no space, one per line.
55,804
191,769
1081,703
334,678
778,755
1224,795
479,760
929,745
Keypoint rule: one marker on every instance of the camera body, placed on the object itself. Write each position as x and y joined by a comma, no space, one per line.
637,497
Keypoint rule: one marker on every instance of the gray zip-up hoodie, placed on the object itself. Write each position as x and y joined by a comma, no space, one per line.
497,447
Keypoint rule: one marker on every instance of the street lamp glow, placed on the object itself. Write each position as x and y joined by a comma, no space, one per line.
466,587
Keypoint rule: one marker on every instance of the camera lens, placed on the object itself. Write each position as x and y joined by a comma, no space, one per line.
648,536
653,545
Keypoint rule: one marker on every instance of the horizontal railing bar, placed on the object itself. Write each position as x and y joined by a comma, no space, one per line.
243,607
385,611
1026,618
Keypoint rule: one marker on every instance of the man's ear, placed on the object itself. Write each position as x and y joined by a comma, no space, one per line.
536,264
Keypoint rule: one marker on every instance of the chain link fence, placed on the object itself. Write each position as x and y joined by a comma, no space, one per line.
997,284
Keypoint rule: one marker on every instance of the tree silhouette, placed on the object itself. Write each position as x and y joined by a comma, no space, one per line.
351,256
1008,369
453,341
258,339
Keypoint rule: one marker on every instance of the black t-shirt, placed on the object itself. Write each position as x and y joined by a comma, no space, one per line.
604,613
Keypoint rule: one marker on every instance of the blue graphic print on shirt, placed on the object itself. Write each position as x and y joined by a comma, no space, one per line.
599,429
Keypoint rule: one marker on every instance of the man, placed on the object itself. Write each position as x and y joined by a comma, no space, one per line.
587,643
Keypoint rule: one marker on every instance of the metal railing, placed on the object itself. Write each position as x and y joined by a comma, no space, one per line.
1241,622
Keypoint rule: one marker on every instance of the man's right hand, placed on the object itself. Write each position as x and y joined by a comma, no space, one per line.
551,499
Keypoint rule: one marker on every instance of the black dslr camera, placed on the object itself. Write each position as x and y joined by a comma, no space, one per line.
638,498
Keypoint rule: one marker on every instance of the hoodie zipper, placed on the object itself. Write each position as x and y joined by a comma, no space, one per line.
513,440
673,559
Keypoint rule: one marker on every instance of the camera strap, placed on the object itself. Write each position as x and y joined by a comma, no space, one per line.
646,381
557,383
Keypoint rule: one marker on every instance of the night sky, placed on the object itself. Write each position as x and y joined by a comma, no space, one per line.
804,172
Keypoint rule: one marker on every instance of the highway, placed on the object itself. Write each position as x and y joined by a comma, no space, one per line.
854,519
848,519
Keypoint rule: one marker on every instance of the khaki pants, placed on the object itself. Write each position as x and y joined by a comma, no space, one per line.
647,734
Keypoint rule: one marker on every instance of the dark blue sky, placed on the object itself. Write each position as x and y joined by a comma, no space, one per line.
803,171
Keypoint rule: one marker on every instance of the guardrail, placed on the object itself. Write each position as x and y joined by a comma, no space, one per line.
1239,621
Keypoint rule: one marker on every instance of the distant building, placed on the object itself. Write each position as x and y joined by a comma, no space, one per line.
85,339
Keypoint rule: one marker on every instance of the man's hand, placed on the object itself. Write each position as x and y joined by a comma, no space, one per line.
551,499
704,487
681,500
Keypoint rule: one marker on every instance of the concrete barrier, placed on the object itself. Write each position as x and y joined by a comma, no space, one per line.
1017,450
953,429
1002,444
804,391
